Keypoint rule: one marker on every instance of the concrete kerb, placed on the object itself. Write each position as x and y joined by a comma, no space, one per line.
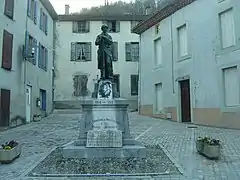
181,170
35,164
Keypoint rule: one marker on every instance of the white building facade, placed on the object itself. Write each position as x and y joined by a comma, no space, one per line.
26,83
76,57
189,63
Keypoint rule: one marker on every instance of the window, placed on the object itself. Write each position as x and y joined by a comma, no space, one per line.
113,26
30,46
115,51
231,86
182,41
133,24
132,51
42,57
227,28
80,85
81,51
134,85
158,51
9,8
43,21
7,49
159,98
32,10
81,27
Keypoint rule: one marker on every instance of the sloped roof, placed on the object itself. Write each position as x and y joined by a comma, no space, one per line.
47,4
165,12
102,17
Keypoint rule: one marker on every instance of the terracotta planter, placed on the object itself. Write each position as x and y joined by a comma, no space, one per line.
199,146
211,151
8,156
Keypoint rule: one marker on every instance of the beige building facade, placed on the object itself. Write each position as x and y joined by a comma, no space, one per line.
189,63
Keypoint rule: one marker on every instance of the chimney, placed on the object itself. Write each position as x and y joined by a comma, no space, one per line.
67,9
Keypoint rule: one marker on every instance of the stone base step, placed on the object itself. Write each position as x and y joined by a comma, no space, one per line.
80,152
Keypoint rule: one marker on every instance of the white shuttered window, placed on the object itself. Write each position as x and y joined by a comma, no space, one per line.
227,29
158,52
231,86
182,41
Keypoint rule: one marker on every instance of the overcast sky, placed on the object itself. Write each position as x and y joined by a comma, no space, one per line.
77,5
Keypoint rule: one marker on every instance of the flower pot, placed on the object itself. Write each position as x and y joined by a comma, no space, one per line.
199,146
8,156
211,151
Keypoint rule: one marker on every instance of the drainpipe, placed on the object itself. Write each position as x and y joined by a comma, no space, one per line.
25,62
139,77
172,56
53,62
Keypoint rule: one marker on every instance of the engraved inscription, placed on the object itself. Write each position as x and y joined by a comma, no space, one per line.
103,102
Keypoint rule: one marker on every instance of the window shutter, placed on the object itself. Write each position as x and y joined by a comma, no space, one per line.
73,51
46,24
115,51
7,50
39,55
87,26
87,48
9,8
128,51
35,49
35,12
75,27
117,26
41,19
26,44
29,9
46,59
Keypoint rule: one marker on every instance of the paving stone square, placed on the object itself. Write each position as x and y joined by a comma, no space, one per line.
176,140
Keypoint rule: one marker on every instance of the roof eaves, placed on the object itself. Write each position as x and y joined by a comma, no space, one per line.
161,15
47,4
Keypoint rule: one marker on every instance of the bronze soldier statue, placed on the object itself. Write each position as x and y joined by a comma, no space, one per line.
105,56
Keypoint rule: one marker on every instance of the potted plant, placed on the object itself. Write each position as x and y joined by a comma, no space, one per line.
199,144
37,117
9,152
208,147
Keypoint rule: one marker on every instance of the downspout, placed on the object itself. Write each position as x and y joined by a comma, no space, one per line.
24,60
173,89
53,62
139,77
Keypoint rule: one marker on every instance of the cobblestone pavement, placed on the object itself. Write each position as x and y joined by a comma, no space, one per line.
39,138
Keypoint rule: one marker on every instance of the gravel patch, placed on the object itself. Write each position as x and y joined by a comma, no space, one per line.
155,162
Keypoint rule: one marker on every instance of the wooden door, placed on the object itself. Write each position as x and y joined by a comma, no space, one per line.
4,107
185,101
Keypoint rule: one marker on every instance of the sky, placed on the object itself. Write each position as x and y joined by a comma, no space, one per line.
77,5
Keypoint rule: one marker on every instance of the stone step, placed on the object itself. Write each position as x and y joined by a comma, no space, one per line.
67,111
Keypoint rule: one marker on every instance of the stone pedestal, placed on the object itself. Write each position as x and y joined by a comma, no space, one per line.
104,129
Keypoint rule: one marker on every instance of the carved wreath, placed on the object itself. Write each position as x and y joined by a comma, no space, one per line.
105,89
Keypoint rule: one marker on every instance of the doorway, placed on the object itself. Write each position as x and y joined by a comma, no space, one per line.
43,97
28,103
5,97
185,100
